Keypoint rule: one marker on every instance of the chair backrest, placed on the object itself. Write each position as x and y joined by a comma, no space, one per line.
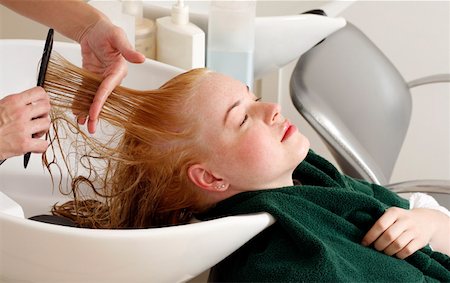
356,100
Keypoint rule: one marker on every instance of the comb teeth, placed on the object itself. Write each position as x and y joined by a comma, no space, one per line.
45,57
40,81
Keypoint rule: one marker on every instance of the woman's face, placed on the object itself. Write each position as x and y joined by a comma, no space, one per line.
252,145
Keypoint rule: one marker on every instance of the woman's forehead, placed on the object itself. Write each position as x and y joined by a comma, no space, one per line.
219,86
215,94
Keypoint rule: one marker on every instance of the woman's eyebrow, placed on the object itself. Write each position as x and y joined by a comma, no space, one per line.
237,103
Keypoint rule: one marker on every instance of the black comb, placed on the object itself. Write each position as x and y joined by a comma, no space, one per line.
42,71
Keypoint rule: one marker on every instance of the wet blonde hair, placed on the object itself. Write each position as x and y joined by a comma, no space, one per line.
143,180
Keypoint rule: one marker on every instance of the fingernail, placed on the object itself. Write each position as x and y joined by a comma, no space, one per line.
81,121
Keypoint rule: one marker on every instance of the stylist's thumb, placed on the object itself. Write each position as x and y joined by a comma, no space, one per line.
127,51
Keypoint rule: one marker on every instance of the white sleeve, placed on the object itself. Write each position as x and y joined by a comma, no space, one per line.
421,200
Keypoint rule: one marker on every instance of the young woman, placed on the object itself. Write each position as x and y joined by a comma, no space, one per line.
203,145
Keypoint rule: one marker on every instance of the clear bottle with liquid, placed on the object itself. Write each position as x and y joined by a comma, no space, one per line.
231,38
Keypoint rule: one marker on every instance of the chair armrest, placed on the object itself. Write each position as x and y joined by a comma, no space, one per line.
423,186
440,78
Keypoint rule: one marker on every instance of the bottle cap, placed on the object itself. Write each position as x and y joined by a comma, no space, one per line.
134,8
180,13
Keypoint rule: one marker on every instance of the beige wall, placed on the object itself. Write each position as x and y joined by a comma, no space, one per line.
14,26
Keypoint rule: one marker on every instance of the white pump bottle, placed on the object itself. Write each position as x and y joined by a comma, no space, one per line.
178,42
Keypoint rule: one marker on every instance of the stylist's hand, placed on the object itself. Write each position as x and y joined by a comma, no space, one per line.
17,124
402,232
105,50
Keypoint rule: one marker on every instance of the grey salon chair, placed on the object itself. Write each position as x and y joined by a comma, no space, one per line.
360,105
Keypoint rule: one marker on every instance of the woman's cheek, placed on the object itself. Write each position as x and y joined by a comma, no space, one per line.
254,151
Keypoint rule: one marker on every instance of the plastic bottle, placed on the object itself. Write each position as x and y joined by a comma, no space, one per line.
231,39
178,42
145,29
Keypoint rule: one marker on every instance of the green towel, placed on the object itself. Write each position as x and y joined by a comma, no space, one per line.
318,231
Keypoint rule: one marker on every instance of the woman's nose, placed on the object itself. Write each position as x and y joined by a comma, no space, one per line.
272,113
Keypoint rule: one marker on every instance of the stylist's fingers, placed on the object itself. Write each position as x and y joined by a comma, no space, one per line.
38,125
46,121
39,108
77,110
104,90
81,119
25,105
37,146
32,95
39,114
133,56
40,134
30,144
120,41
23,136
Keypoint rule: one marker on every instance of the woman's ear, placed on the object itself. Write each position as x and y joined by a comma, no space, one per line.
204,179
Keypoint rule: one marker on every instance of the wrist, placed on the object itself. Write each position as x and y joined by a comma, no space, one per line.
80,34
85,23
440,240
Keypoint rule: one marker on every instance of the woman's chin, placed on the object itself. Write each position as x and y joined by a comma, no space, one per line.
303,148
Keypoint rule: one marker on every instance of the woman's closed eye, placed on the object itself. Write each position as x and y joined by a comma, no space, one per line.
246,115
245,120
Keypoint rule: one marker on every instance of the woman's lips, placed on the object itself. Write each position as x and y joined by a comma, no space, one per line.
289,129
